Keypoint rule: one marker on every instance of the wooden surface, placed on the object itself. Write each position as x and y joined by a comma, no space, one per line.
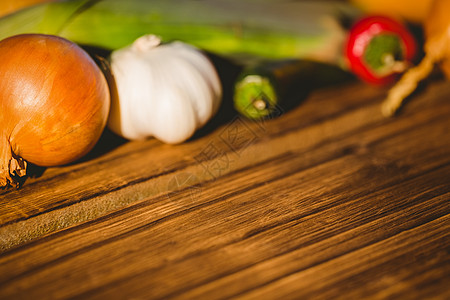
330,201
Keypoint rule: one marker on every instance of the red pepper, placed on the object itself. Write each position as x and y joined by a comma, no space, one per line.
379,48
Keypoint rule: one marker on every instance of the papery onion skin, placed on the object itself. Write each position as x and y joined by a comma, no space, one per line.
54,103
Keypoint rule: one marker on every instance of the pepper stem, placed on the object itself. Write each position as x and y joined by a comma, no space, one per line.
259,104
391,65
11,166
384,55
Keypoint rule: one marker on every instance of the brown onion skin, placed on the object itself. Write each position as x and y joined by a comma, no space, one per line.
54,99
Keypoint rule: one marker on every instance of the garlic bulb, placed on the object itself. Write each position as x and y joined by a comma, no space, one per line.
162,90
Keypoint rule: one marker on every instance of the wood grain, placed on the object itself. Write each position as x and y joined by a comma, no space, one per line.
330,200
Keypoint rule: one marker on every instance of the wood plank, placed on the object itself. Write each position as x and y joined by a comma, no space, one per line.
277,251
385,261
93,188
166,252
164,238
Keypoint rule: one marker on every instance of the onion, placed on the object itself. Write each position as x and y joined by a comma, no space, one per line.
54,103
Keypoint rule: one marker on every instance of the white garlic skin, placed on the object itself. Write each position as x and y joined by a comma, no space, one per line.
167,91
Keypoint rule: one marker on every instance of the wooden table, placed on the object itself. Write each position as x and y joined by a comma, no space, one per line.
330,200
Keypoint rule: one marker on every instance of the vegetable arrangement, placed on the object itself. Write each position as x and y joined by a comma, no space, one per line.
165,90
160,82
376,48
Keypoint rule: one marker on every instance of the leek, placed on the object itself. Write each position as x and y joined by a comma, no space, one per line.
265,28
